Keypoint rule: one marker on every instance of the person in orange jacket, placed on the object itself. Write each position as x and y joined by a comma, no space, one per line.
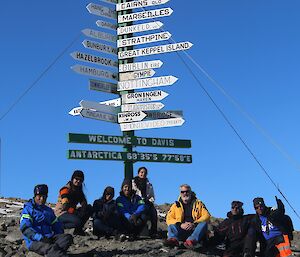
187,219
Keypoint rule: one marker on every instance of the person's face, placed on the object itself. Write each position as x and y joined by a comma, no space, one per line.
142,173
259,208
40,199
109,196
77,181
126,190
236,210
185,194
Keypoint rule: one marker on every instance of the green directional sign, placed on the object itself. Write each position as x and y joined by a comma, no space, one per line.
121,140
128,156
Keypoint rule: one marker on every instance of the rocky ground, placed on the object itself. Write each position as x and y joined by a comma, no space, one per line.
11,243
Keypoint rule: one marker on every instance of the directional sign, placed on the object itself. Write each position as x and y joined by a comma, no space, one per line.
155,50
146,96
124,156
120,140
131,41
146,83
90,71
99,35
100,47
164,114
75,111
110,1
94,59
141,107
114,102
106,25
137,16
140,65
99,115
101,11
152,124
131,116
139,4
136,75
139,27
99,107
103,86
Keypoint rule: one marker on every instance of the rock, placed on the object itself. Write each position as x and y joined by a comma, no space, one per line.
14,236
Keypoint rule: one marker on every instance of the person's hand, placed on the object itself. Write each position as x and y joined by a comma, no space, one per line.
190,226
186,226
133,218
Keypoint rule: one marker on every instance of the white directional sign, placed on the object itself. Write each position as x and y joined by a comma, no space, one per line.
103,86
139,27
99,107
110,1
99,116
146,83
114,102
137,16
99,35
142,107
152,124
131,41
94,59
90,71
161,49
139,4
131,116
140,65
164,114
106,25
75,111
146,96
136,75
101,11
100,47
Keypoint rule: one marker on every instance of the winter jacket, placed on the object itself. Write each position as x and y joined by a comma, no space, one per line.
176,213
128,206
68,199
149,191
103,210
37,222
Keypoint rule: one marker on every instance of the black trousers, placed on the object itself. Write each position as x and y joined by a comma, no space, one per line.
58,248
152,213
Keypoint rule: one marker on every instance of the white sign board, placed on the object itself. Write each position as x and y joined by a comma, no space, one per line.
114,102
102,86
147,96
132,41
99,116
139,27
101,11
106,25
131,116
164,114
100,47
161,49
90,71
139,4
142,107
84,57
99,107
146,83
151,14
99,35
110,1
140,65
136,75
75,111
152,124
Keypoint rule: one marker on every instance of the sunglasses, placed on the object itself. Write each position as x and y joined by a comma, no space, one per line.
185,192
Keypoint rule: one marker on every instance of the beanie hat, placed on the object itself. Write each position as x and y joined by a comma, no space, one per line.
126,181
258,201
41,189
109,190
237,204
77,174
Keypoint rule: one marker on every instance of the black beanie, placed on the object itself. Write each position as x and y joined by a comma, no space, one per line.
41,189
109,190
239,204
126,181
77,174
258,201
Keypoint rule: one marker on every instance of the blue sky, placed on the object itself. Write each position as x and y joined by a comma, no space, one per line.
250,47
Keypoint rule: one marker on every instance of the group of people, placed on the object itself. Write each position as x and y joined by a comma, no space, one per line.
128,215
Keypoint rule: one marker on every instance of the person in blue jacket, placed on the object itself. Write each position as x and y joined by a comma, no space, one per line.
42,231
132,208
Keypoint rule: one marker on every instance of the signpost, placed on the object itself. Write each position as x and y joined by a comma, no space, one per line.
141,107
110,1
84,57
99,35
99,116
131,116
100,47
136,75
114,102
135,66
103,86
146,96
139,4
139,27
99,107
145,15
101,11
90,71
75,111
164,114
106,25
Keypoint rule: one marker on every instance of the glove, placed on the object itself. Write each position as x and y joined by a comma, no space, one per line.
133,218
47,240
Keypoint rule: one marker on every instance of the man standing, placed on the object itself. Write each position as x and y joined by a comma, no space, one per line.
187,219
42,231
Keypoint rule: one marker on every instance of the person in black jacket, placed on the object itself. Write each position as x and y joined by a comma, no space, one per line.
233,231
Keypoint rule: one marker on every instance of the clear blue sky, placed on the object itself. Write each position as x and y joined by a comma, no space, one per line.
250,47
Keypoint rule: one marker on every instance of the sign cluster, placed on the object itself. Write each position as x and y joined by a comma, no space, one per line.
133,110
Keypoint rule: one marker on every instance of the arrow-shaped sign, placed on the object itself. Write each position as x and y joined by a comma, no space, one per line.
131,116
139,27
103,86
139,4
114,102
75,111
106,25
101,11
146,83
137,16
99,107
136,75
90,71
99,35
100,47
94,59
161,49
140,65
152,124
163,114
131,41
99,116
141,107
146,96
110,1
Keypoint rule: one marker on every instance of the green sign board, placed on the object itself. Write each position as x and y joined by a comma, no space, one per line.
121,140
128,156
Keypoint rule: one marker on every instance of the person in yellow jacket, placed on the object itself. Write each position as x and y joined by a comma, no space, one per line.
187,219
